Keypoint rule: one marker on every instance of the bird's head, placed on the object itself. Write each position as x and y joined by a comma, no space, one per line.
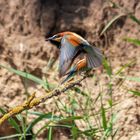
56,39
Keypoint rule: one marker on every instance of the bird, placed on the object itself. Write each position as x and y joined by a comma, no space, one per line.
72,45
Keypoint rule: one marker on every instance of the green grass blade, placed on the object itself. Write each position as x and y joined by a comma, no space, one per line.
125,66
133,41
135,79
134,92
42,128
135,19
2,111
38,119
15,125
13,136
26,75
35,113
103,115
90,132
71,118
75,132
61,125
107,67
50,133
79,91
110,23
48,125
34,122
47,116
109,129
110,102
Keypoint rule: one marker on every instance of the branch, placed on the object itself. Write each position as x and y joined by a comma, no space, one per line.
34,101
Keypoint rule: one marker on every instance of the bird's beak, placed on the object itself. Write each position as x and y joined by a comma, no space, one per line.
48,39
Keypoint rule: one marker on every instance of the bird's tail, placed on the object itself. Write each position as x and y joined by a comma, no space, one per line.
69,75
94,58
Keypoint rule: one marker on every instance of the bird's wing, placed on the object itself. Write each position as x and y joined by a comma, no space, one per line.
94,57
70,47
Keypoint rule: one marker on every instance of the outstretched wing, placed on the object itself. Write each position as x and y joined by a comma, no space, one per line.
94,57
70,47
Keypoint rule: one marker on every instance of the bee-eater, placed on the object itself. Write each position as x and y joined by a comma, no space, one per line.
71,45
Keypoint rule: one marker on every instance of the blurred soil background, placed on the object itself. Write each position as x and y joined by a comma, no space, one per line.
24,24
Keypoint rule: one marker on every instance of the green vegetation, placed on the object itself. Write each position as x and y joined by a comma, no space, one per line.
96,122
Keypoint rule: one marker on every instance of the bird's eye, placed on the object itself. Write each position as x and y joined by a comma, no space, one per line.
55,36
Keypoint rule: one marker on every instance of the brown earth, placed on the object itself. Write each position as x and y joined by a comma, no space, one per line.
23,27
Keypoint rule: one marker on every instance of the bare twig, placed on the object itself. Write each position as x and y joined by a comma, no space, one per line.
34,101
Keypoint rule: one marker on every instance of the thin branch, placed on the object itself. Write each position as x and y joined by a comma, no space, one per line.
33,101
